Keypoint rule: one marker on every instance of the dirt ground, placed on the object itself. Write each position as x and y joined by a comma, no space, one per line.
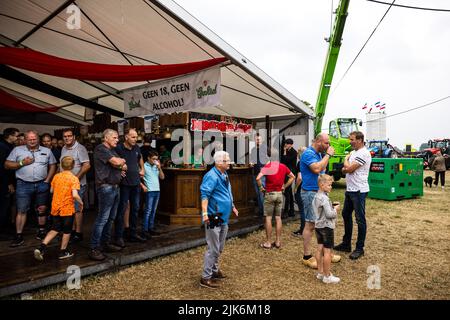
409,241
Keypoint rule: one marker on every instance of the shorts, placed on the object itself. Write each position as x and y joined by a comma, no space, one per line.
81,193
63,224
325,236
26,191
273,203
307,199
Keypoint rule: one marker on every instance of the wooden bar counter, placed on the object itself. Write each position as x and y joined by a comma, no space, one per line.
180,194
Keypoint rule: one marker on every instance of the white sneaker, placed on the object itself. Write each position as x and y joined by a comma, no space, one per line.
443,188
319,276
330,279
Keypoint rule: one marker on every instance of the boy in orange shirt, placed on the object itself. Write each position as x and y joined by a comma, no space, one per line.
65,186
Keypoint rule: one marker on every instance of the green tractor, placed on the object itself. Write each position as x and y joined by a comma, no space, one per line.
339,131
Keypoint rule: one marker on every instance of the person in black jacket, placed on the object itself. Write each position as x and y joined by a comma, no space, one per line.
7,179
289,159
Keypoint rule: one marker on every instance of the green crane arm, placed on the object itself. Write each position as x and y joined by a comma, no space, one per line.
330,63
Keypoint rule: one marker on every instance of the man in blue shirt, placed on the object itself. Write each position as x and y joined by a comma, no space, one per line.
311,165
217,200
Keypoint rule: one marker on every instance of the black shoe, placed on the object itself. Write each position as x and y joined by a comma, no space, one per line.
358,253
154,233
146,235
76,237
343,247
112,248
297,233
18,241
97,255
120,243
137,238
41,234
64,254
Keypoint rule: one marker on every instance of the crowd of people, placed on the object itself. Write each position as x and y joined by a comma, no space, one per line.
50,179
43,176
273,182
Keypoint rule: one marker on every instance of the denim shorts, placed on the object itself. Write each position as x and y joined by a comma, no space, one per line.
26,191
307,199
81,194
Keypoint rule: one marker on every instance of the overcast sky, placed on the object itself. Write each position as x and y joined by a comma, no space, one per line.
406,63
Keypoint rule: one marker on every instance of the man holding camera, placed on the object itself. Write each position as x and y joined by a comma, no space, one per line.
217,205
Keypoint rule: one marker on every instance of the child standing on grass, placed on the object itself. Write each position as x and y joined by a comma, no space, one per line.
326,216
65,186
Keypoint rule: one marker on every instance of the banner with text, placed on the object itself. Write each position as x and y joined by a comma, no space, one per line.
201,89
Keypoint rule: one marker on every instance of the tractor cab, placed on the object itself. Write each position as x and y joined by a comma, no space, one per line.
381,149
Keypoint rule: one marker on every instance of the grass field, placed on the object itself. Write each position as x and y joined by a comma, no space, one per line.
409,241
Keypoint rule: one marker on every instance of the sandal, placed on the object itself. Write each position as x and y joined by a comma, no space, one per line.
276,246
263,245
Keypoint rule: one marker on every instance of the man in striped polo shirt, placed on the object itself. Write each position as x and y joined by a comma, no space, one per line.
356,167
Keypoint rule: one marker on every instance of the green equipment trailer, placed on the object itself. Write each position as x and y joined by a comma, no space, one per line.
395,179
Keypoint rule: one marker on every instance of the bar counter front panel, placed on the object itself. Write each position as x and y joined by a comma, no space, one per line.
180,194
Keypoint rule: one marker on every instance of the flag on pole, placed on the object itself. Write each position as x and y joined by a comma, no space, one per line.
383,106
377,104
370,109
365,106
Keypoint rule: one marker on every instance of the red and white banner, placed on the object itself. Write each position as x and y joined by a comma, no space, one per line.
222,126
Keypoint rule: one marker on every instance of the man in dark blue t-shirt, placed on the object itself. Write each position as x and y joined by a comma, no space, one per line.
130,187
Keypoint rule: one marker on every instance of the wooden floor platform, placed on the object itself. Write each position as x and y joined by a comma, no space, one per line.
20,272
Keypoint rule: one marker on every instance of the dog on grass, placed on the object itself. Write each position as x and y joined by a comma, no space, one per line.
428,181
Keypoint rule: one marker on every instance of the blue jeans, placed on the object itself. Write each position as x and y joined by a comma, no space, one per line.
355,201
26,191
301,209
307,199
151,203
108,201
259,195
132,194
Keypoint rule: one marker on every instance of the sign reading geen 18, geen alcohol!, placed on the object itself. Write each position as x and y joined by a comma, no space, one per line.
200,89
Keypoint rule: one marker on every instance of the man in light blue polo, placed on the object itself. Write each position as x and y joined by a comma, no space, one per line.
35,166
217,204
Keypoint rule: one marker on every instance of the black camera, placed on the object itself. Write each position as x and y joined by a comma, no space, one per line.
215,220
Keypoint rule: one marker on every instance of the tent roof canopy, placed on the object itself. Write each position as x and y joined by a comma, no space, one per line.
139,33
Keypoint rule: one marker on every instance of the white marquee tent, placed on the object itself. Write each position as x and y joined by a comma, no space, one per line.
133,32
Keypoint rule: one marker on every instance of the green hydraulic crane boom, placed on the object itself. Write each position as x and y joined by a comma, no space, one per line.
335,41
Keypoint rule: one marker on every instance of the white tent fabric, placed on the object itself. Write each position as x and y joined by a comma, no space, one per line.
146,32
